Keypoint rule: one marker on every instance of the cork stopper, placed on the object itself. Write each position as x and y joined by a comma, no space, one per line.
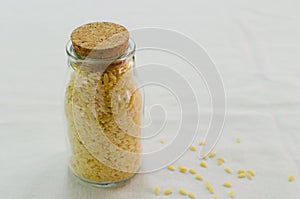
99,40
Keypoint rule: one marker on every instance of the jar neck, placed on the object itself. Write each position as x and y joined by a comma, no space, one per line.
95,65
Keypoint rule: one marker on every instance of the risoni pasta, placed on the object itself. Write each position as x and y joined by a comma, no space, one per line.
104,139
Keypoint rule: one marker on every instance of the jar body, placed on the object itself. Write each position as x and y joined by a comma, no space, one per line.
103,107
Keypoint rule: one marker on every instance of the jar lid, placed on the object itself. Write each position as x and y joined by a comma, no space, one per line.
100,40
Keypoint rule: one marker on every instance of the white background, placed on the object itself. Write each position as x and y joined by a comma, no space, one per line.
255,44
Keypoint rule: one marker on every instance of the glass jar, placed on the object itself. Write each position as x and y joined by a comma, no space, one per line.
103,107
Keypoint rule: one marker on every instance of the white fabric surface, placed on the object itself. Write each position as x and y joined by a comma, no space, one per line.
255,44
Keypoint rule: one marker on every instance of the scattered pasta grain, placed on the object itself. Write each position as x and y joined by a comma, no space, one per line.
220,161
207,184
182,169
291,178
168,192
193,148
251,172
171,168
209,188
231,194
157,191
216,197
192,171
241,175
212,154
202,143
182,192
162,140
192,195
240,171
238,139
227,184
198,177
249,176
228,170
203,164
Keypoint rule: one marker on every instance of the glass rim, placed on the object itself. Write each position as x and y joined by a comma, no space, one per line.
72,54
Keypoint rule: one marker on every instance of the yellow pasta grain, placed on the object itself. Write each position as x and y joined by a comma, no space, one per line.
192,171
220,161
291,178
240,171
227,184
162,140
157,191
216,197
168,192
171,168
204,157
193,148
251,172
241,175
105,79
231,194
202,143
249,176
203,164
182,169
198,177
228,170
207,184
209,188
211,154
238,139
192,195
182,192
